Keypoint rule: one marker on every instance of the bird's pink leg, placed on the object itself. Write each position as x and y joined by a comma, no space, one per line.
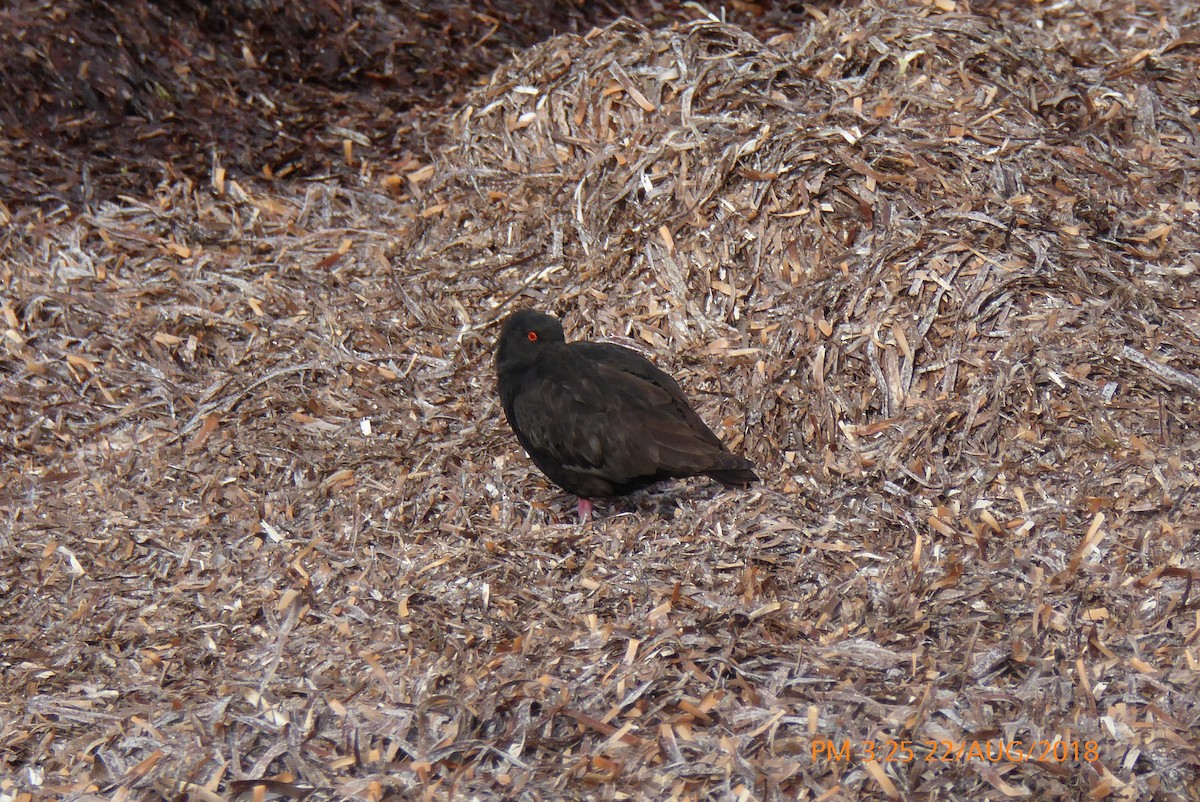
585,510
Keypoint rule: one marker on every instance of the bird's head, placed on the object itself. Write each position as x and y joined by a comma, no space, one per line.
524,334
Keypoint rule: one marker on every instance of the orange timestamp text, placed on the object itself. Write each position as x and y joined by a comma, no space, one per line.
936,751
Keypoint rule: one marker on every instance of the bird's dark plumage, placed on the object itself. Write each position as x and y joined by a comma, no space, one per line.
599,419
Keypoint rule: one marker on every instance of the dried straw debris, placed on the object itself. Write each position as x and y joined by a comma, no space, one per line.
932,269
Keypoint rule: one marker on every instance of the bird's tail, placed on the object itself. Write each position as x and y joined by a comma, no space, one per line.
733,470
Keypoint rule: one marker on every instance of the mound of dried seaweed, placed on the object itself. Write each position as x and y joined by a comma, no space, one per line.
931,268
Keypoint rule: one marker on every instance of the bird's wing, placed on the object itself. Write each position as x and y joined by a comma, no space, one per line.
605,410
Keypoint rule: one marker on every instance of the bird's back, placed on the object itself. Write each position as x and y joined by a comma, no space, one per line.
600,420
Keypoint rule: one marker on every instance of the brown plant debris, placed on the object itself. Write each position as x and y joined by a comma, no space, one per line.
932,268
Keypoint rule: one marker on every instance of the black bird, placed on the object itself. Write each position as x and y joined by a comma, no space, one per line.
599,419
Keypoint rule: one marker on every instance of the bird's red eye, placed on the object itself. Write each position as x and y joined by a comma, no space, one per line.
532,336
